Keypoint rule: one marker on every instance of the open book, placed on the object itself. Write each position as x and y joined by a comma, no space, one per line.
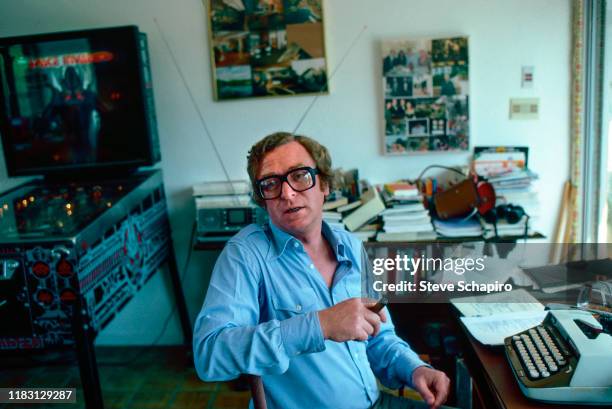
493,317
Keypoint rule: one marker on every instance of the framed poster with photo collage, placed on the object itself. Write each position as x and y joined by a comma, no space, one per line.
267,48
426,95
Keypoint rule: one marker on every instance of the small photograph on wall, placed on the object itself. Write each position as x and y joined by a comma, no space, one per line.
418,127
426,95
234,80
398,86
267,48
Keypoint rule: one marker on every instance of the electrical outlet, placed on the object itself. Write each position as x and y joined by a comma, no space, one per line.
524,108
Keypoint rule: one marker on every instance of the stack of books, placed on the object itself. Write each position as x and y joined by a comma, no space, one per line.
402,191
409,222
399,193
405,217
336,208
334,219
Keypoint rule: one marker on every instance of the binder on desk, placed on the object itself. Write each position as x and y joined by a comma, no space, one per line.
573,274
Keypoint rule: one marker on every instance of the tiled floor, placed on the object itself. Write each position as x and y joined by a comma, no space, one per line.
131,377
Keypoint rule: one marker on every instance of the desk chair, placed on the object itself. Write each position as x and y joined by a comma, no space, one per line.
257,391
259,396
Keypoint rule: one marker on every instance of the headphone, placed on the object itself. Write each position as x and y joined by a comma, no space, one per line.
512,214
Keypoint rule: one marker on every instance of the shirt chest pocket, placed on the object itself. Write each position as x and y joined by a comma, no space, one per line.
293,302
353,286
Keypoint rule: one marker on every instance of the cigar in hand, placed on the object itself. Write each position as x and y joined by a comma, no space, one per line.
382,303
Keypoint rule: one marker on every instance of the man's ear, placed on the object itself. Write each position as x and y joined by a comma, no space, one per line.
325,188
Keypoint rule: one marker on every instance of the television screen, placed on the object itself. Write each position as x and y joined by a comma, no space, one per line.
78,100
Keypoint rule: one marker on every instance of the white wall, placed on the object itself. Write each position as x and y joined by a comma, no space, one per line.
504,35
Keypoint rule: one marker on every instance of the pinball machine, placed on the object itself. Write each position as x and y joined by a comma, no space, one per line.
78,243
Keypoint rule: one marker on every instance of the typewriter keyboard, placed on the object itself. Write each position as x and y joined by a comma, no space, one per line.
541,353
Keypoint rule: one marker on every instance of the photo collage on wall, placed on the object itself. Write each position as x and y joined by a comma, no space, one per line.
426,95
267,47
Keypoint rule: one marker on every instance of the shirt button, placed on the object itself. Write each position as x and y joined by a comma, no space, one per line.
312,266
296,245
298,307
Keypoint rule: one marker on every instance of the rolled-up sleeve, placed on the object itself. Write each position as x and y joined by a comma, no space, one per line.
228,338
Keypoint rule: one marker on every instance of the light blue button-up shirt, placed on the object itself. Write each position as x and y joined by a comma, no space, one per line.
260,317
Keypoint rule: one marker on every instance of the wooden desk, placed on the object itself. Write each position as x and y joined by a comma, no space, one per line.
495,384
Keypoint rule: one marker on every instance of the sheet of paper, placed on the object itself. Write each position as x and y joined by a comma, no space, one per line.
492,330
497,303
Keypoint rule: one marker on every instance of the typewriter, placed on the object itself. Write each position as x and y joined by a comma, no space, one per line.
566,359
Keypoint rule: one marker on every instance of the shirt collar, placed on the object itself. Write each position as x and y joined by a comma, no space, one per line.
281,240
335,242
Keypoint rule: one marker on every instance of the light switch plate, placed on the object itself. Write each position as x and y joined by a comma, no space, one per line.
524,108
527,77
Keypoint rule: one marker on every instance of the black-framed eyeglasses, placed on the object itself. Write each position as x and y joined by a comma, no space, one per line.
300,179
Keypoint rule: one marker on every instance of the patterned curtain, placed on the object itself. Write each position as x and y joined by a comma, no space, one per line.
573,194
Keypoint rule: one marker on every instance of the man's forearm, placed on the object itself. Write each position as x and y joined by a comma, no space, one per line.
223,352
391,358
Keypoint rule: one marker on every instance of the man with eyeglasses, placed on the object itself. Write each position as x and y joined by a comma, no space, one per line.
284,300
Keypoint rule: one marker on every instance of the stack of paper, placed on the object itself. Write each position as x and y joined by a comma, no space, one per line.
514,183
492,318
493,329
406,222
398,220
458,227
518,188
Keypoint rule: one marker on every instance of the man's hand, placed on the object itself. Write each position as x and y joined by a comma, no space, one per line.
431,384
351,320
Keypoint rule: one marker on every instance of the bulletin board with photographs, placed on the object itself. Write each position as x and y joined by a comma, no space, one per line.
267,47
426,95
